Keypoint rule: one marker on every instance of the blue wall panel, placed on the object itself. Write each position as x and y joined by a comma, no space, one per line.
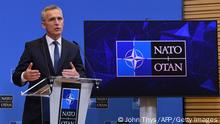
170,110
20,22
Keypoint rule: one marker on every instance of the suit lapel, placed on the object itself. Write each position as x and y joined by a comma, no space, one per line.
47,58
64,53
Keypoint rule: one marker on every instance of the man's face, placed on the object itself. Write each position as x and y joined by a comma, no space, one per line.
53,23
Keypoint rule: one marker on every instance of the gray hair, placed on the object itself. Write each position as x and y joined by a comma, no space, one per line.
50,7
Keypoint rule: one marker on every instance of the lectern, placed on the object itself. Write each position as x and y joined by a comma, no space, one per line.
68,98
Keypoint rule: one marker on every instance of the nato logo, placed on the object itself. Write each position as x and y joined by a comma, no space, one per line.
70,98
151,58
132,58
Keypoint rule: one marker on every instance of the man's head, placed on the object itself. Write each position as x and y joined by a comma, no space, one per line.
52,21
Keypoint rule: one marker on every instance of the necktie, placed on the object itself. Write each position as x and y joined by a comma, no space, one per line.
56,56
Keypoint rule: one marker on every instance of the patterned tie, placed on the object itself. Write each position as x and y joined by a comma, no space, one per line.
56,56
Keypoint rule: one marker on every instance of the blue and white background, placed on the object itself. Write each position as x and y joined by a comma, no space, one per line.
119,63
70,99
20,22
133,58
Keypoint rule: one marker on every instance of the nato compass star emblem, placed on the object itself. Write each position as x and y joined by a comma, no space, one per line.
134,58
70,99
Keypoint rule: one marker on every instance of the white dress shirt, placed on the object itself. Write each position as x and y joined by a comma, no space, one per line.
51,47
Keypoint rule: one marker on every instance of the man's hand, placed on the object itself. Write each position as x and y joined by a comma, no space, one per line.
31,75
70,72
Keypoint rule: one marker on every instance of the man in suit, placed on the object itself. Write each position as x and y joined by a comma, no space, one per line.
50,55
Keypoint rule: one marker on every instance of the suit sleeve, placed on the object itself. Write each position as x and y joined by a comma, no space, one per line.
24,61
78,64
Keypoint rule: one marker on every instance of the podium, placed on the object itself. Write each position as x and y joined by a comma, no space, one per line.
68,98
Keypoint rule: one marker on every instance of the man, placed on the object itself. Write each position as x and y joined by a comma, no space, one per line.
50,55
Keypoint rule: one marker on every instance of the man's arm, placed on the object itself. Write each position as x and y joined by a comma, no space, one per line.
23,71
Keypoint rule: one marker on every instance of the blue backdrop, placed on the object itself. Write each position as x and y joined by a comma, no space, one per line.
20,22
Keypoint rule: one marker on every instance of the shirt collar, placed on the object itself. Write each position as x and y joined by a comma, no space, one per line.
50,40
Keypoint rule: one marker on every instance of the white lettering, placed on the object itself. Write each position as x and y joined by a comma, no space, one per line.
168,67
167,49
68,114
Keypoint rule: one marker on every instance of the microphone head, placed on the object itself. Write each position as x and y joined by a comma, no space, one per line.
74,42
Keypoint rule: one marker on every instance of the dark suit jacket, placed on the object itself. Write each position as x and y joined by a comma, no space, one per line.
37,52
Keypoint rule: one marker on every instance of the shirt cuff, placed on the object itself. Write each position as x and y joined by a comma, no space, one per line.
23,80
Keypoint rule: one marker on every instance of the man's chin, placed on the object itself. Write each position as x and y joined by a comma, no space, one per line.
55,36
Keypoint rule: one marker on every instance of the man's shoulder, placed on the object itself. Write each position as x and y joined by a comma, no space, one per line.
35,42
70,44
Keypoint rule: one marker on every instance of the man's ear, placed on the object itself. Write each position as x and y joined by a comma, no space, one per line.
43,25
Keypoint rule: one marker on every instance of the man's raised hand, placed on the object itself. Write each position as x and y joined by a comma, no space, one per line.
31,75
70,72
